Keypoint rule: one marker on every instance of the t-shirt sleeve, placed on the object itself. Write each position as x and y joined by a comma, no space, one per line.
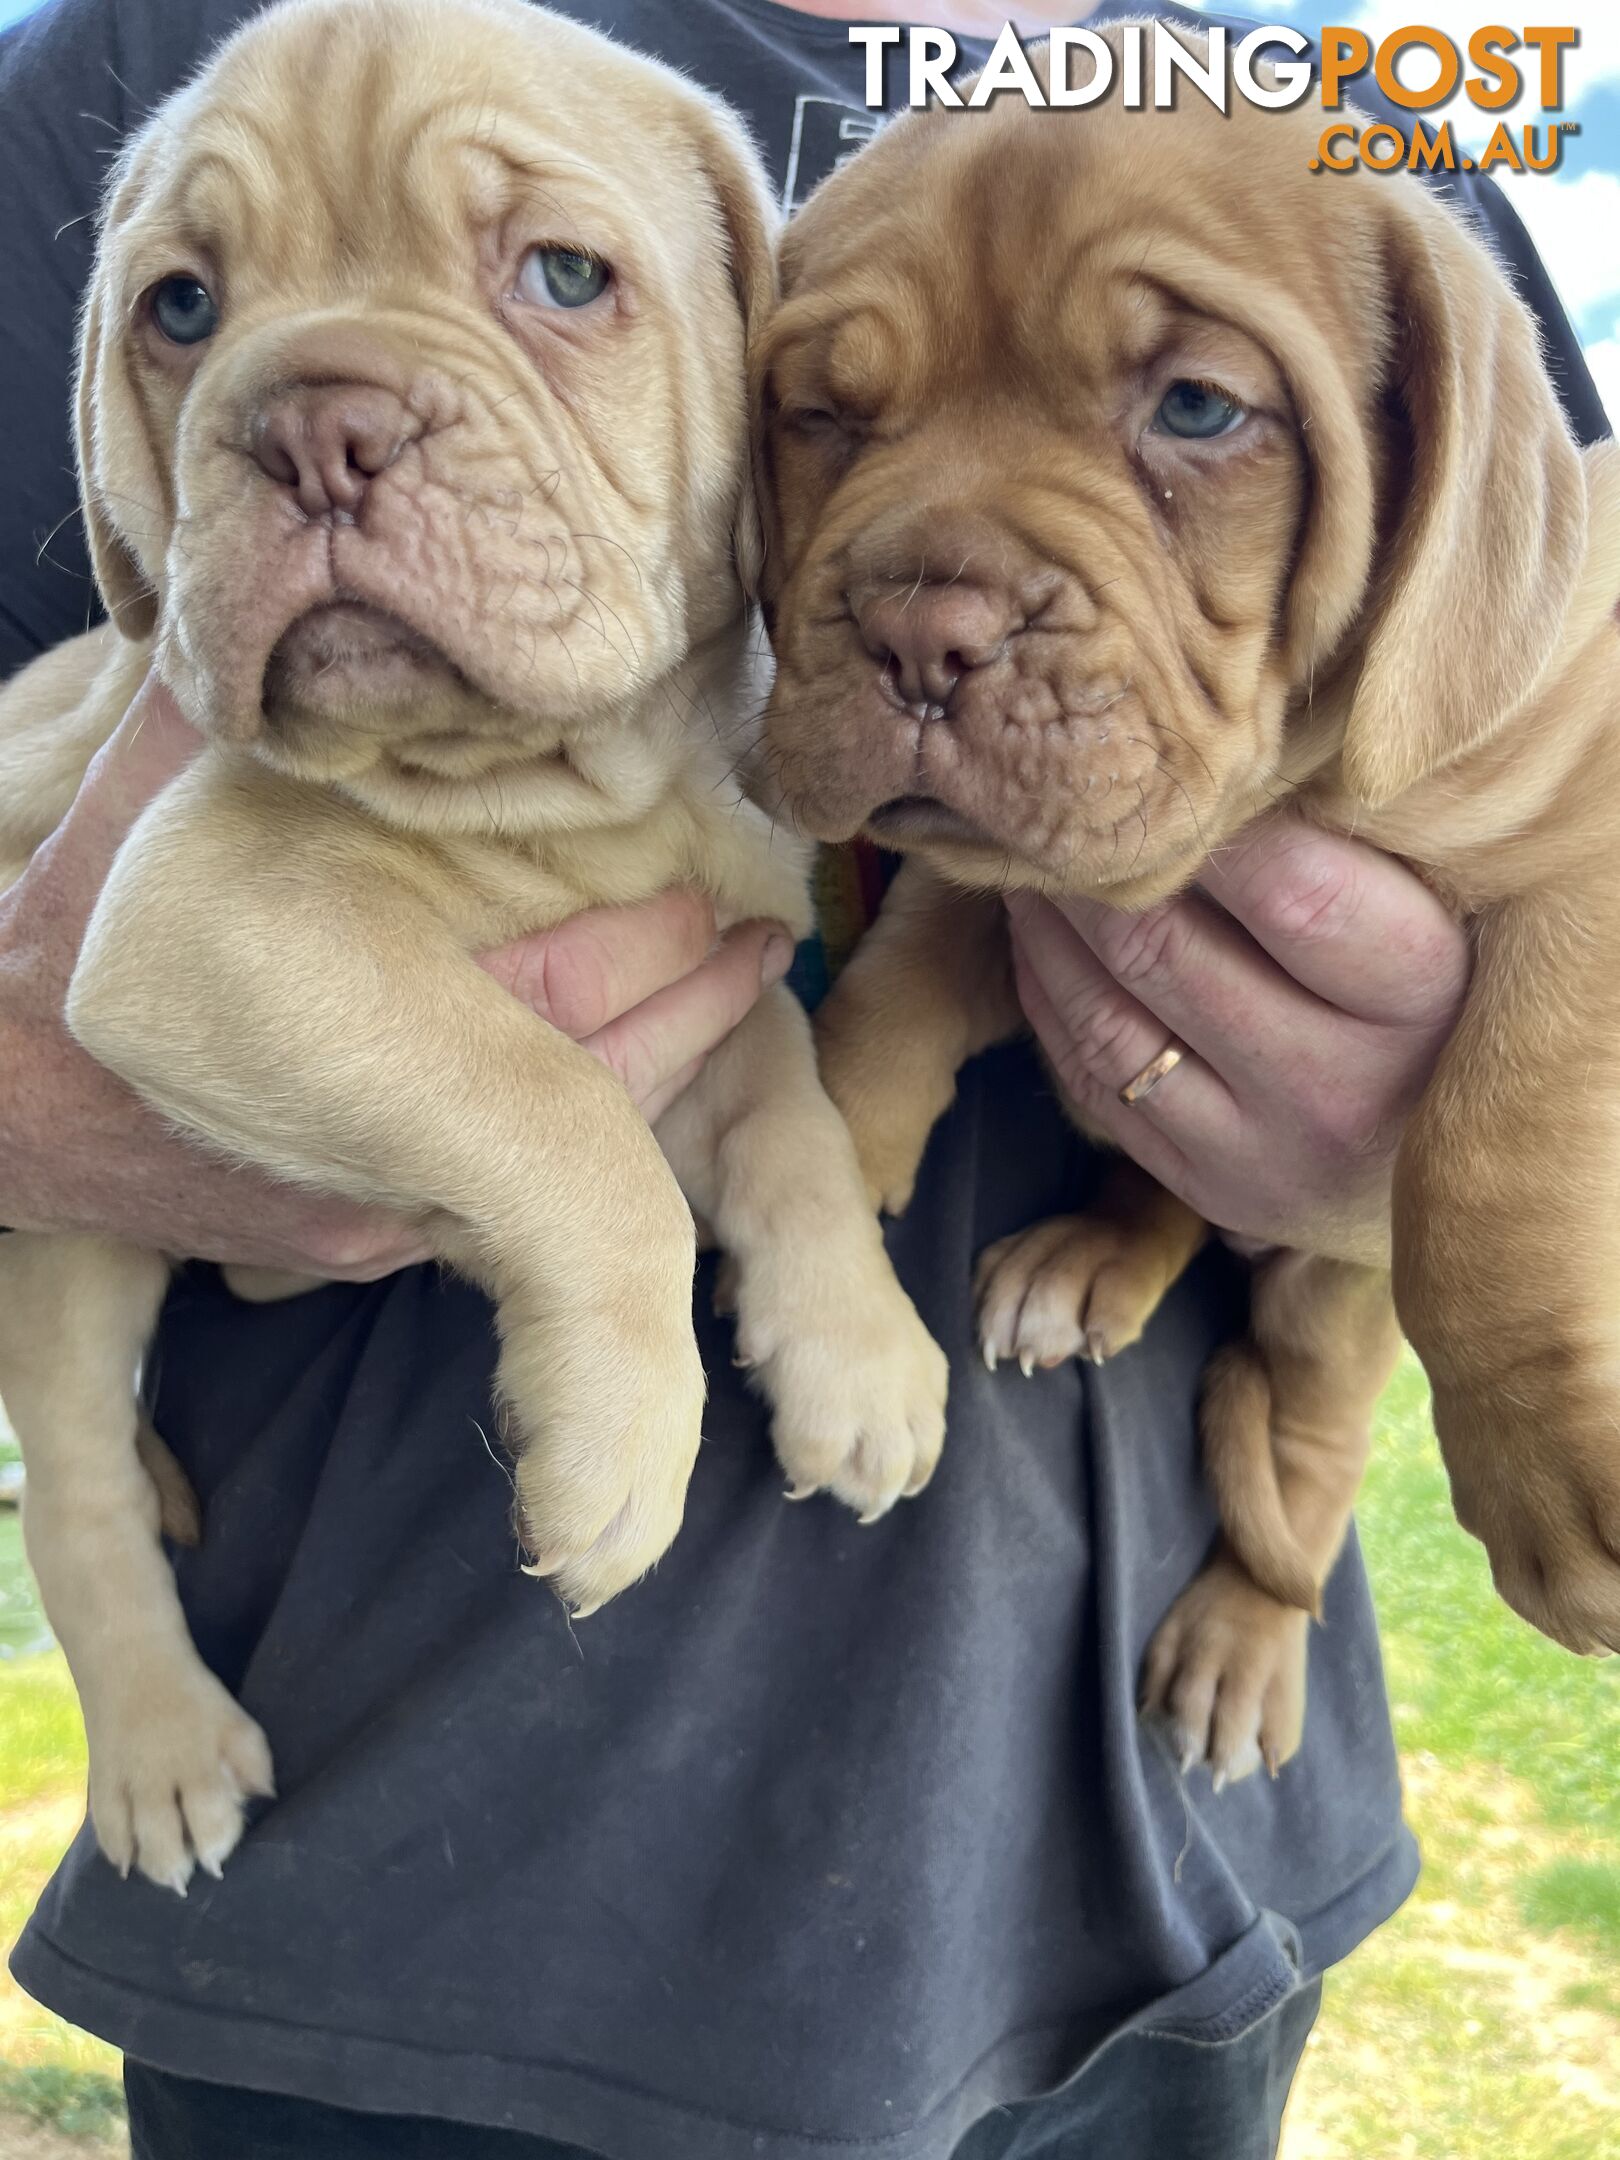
62,117
75,77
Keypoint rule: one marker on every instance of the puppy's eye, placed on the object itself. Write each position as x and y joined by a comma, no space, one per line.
1197,412
819,423
184,310
562,277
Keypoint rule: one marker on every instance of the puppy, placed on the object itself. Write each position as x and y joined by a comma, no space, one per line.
413,436
1127,477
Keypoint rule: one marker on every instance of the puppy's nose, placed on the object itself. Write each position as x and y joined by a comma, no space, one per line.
928,635
326,441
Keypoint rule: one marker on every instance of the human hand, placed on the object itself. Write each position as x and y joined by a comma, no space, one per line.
1312,982
645,989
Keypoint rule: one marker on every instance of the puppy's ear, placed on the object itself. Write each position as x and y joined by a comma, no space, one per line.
751,223
1486,528
117,476
116,470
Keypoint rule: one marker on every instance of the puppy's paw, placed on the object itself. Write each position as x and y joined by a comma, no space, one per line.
1541,1491
604,1440
855,1381
172,1767
1226,1671
1075,1286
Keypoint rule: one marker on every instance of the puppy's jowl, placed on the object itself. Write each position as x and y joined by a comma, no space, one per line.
1127,478
415,461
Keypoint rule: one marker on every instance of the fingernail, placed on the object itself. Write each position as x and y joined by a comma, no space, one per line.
776,959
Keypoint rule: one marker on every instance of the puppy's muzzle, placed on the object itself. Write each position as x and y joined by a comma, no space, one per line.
325,442
926,635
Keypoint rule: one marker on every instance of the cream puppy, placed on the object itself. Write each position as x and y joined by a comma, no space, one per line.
414,457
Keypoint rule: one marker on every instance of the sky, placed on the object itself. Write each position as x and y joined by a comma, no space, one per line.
1573,215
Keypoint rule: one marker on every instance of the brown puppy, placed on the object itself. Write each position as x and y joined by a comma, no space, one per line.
1126,478
415,458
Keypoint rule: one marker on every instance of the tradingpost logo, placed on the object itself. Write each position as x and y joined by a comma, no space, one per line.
1492,73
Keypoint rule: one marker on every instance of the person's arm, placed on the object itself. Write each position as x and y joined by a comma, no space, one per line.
646,989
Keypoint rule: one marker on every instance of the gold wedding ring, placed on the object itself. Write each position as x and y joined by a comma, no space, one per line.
1135,1091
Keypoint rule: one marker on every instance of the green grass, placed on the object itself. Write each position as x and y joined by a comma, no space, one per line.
78,2103
1579,1894
22,1627
1472,1683
1485,2019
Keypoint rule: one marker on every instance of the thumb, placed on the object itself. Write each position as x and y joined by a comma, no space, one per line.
152,743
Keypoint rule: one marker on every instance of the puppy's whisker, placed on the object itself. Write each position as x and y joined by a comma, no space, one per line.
585,594
66,518
1142,814
569,650
602,540
1161,764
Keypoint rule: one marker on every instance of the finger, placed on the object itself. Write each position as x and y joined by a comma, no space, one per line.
652,1045
262,1222
152,743
1100,1038
654,1105
596,966
377,1248
1142,1137
1209,983
1347,921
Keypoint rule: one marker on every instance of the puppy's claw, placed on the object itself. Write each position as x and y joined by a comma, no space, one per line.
1026,1363
584,1612
1095,1348
801,1492
990,1359
1217,1783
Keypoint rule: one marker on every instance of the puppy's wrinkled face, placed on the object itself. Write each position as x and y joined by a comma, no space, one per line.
414,390
1082,439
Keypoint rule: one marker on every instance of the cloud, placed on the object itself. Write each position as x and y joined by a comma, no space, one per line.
1594,60
1575,225
1603,359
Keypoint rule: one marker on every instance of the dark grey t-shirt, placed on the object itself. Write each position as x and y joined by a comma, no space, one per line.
823,1839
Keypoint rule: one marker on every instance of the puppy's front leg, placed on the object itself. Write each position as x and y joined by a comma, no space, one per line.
172,1757
283,985
929,986
856,1382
